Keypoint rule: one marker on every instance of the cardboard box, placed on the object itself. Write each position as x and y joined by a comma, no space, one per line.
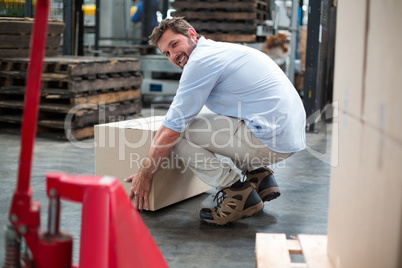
383,94
120,149
350,52
344,203
365,212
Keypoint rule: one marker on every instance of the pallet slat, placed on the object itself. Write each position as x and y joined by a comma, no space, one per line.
314,249
294,246
226,37
23,52
224,26
107,97
273,250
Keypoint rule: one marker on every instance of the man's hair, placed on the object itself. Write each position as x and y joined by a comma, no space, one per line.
177,24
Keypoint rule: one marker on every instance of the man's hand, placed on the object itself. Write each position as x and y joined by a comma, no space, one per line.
140,188
161,146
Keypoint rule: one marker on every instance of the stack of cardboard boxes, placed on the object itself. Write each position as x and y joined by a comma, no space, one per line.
365,212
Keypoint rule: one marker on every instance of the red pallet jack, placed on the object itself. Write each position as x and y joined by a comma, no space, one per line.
112,232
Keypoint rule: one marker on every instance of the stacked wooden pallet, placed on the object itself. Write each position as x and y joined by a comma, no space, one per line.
230,21
76,93
15,35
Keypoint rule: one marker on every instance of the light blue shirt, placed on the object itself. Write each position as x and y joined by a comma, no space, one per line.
242,82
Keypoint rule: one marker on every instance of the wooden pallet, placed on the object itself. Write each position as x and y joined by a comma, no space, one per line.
15,35
67,75
224,26
227,6
274,250
230,37
79,122
23,52
65,85
22,41
72,66
228,21
257,15
15,98
9,25
79,116
76,92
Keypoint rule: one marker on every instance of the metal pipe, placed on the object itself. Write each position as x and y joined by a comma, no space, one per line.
97,22
165,8
293,41
28,8
146,19
68,30
54,216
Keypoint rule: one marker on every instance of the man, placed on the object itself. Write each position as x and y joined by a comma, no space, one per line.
137,16
258,120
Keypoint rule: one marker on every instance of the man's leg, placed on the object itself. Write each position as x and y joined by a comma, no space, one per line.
205,137
213,134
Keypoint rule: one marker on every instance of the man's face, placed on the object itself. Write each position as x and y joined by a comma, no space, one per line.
177,47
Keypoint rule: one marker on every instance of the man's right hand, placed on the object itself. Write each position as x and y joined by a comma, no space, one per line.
140,188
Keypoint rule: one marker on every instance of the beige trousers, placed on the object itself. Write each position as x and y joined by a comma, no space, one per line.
209,135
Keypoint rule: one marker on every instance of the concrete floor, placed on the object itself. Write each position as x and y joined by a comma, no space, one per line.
182,238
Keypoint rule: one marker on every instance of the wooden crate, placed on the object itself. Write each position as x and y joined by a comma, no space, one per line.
15,35
274,250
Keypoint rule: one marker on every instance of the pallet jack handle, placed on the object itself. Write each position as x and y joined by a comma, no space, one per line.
112,234
25,214
32,94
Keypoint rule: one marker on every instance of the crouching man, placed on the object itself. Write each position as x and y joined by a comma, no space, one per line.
258,119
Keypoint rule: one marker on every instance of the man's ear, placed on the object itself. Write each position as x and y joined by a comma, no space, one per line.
193,34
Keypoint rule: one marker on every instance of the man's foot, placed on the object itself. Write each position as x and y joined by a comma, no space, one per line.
264,183
233,203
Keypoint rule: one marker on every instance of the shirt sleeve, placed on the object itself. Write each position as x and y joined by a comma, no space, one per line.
196,83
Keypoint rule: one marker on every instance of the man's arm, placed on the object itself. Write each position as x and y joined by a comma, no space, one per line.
162,144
